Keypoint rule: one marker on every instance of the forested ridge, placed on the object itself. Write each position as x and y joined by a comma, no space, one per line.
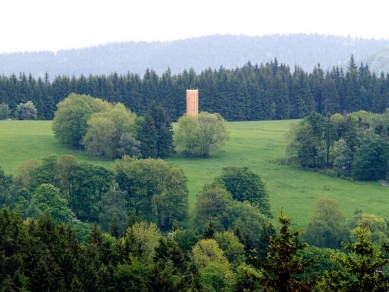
197,53
251,92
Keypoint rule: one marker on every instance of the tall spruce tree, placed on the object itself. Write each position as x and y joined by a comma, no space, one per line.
283,263
148,138
163,128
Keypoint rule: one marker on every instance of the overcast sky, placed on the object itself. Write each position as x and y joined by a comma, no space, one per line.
36,25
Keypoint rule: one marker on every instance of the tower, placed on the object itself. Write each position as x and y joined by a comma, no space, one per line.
192,102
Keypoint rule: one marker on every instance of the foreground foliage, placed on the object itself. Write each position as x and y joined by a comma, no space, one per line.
278,272
364,267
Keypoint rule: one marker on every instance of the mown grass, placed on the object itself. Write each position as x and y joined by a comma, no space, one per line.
252,144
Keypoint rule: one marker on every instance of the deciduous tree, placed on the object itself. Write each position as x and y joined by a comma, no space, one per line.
198,136
156,190
70,119
5,111
246,185
26,111
47,199
325,229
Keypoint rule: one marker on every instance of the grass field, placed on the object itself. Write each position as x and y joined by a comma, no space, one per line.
252,144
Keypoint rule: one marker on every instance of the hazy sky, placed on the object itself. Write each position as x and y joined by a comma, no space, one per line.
33,25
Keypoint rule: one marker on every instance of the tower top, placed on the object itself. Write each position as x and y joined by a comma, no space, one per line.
192,102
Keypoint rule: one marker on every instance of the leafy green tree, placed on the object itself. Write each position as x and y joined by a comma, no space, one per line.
363,265
371,160
212,265
5,111
322,260
302,146
307,138
246,185
186,238
123,119
278,272
343,158
214,204
105,130
186,136
64,169
325,229
128,145
89,183
148,235
24,171
198,136
70,119
43,173
233,249
47,198
99,138
26,111
156,190
378,228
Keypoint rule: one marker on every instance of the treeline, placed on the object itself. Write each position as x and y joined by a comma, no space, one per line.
252,92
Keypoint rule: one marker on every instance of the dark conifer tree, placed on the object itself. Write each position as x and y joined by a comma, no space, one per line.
353,98
164,129
148,138
315,83
331,102
281,99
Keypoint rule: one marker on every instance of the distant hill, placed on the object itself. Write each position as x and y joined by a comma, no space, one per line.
197,53
379,61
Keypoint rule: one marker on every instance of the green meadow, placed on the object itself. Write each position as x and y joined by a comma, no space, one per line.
252,144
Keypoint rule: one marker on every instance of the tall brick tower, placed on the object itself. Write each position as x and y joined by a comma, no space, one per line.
192,102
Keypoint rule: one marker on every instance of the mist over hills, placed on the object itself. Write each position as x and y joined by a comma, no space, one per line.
199,53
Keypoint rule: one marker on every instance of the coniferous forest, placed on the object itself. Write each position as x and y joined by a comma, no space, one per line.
252,92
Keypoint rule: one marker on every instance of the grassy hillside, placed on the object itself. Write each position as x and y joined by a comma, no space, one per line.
252,144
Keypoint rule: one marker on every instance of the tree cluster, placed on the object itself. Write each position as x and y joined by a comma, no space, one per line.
236,200
328,227
354,145
23,111
49,242
111,130
250,92
42,255
60,187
